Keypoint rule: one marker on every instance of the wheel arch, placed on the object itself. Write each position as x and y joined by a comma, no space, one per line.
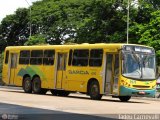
34,76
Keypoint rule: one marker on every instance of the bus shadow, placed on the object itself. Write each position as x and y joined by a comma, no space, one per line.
106,100
14,91
13,111
81,97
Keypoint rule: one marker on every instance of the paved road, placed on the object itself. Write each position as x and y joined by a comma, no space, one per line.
13,101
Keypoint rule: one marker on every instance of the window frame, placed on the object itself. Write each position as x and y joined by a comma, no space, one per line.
52,58
100,57
79,58
24,57
36,60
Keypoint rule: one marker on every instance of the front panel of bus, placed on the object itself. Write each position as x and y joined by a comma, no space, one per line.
138,71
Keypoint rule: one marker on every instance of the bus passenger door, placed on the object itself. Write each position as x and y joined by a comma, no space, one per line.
109,74
61,69
13,66
112,74
116,74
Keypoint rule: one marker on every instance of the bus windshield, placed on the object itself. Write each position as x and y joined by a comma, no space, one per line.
139,65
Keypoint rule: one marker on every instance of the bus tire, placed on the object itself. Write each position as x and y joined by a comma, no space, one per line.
27,85
124,98
36,85
94,91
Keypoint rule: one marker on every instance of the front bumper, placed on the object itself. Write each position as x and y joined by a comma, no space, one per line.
124,91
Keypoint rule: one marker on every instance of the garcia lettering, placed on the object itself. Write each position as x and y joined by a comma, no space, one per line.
78,72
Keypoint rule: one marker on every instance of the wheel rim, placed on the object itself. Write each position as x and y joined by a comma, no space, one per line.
94,90
27,85
36,85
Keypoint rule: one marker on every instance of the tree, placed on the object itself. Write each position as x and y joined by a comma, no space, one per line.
37,39
155,3
82,21
14,28
92,21
150,33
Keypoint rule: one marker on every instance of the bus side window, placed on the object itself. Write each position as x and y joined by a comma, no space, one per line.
36,57
70,57
80,57
96,56
7,56
48,58
24,57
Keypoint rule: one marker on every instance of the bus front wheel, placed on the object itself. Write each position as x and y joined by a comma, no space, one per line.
94,91
27,85
36,85
124,98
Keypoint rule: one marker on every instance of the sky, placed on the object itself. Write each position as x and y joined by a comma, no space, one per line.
8,7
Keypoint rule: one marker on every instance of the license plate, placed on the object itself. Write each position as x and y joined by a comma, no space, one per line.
142,92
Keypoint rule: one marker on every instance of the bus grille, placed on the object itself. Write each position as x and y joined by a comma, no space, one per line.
140,86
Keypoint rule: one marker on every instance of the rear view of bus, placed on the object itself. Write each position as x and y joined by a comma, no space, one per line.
138,71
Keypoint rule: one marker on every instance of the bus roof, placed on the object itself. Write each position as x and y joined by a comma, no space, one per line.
73,46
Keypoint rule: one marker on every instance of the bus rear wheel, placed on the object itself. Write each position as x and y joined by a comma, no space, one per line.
94,91
36,85
27,85
124,98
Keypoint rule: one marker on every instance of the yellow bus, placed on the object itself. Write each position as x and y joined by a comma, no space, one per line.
119,70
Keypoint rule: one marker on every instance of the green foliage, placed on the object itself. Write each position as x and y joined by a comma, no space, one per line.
148,33
155,3
82,21
13,28
37,39
79,21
